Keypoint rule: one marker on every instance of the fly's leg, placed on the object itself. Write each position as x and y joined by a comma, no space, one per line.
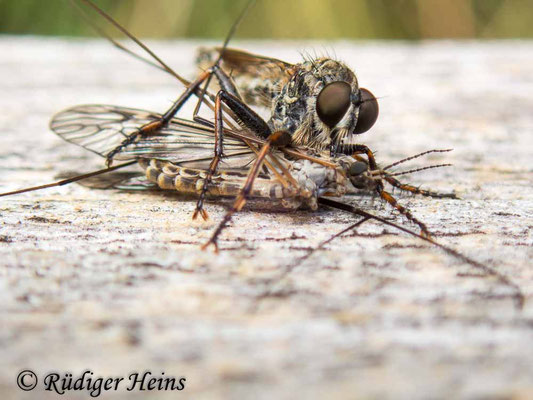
157,62
219,153
158,123
410,188
413,189
230,97
226,84
276,139
389,198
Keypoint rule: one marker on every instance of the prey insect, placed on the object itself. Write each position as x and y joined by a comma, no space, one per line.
303,156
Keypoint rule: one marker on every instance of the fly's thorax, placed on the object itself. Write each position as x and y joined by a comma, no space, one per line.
257,79
294,109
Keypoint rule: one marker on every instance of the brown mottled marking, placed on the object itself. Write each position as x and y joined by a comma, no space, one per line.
226,189
165,181
226,174
159,164
185,185
152,173
191,173
170,169
228,183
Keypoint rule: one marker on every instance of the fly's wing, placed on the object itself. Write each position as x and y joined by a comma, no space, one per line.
101,128
257,78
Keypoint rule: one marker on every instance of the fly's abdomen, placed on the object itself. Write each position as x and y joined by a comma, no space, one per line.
191,181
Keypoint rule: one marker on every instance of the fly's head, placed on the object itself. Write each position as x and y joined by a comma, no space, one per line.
358,172
322,105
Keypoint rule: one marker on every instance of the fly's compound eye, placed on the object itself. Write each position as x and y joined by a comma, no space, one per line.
357,176
333,102
357,168
368,112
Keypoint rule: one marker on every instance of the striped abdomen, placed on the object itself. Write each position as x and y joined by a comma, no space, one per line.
187,180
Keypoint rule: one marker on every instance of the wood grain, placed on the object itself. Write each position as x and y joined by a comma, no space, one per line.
116,282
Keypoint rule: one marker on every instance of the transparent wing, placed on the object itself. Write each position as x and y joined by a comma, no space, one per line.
239,61
256,77
101,128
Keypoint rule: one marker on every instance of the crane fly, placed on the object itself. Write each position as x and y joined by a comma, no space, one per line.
303,156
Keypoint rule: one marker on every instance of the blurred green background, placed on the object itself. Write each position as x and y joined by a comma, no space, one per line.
355,19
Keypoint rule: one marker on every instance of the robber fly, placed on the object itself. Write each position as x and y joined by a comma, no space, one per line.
304,155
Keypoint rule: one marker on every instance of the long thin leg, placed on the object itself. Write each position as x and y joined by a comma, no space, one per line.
308,254
413,189
362,149
201,99
517,296
416,156
213,166
133,38
161,122
412,171
159,63
280,138
70,180
404,211
325,242
248,118
227,86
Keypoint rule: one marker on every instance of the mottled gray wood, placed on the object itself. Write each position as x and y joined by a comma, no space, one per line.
116,282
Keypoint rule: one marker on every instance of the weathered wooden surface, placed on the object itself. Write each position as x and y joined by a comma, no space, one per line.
115,282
